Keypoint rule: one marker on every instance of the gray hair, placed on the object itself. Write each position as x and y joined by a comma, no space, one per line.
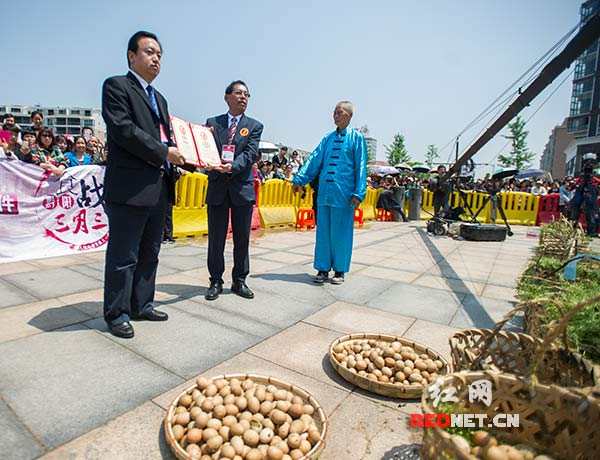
347,106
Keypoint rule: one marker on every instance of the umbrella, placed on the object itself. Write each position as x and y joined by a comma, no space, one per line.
378,163
530,173
384,170
403,167
503,173
420,168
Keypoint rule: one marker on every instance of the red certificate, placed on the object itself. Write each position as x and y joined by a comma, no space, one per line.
205,145
185,140
195,142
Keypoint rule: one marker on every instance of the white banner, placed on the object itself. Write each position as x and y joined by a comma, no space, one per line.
45,216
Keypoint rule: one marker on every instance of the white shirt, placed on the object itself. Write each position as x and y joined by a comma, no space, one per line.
231,118
143,82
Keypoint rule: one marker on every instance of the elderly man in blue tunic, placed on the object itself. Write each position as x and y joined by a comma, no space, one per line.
340,161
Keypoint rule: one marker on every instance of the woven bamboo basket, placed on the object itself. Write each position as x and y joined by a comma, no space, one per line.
319,416
391,390
553,420
480,349
561,239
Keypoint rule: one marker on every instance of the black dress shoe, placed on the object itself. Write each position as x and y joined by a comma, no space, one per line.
153,315
240,288
123,330
214,290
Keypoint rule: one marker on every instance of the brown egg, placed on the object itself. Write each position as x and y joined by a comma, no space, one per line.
494,453
251,438
211,390
305,446
314,436
193,450
296,410
274,453
186,400
178,431
296,454
253,404
203,382
277,416
254,454
182,418
194,436
227,451
294,440
209,433
202,419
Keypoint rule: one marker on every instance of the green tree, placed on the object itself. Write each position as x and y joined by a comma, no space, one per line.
520,156
431,154
370,155
397,153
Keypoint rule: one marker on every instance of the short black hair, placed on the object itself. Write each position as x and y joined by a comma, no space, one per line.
26,131
36,112
284,148
87,127
7,115
231,85
134,42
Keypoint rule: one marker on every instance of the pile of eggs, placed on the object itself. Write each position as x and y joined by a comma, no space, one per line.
387,362
244,420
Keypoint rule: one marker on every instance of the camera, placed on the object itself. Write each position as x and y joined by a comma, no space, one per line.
589,162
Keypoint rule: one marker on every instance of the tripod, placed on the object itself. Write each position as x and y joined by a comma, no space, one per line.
493,197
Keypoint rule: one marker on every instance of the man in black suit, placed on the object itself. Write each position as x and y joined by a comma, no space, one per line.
231,187
138,184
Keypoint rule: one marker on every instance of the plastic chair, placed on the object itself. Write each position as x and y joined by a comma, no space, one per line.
359,216
305,218
383,215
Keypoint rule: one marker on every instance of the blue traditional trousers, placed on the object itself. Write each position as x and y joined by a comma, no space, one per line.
335,232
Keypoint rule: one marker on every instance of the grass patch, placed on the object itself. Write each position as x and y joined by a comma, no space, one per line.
543,278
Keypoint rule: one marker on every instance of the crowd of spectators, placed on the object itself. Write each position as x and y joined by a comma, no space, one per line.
39,145
279,167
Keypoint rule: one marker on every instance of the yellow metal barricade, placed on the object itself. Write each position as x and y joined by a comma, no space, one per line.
520,208
370,203
307,201
276,204
189,213
427,205
475,200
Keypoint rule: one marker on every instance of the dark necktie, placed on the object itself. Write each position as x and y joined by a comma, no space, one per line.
231,131
152,97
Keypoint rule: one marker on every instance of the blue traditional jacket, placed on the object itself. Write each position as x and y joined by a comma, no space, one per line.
340,160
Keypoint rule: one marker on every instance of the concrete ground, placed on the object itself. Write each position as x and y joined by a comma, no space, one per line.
70,390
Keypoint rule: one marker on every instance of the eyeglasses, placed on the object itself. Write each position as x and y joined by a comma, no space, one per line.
47,135
239,92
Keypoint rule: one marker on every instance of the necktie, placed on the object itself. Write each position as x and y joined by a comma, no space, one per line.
231,131
150,91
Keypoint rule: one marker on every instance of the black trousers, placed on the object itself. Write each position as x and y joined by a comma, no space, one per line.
218,221
168,231
132,259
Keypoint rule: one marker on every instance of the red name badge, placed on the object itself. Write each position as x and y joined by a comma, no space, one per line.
227,153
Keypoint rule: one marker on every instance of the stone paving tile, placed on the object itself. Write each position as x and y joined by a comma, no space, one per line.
286,257
481,312
11,295
29,319
454,285
177,284
179,262
183,250
358,289
62,261
389,274
89,302
267,309
329,396
348,318
16,267
94,270
499,292
185,344
361,430
54,282
243,320
294,283
134,435
75,380
16,442
308,355
419,302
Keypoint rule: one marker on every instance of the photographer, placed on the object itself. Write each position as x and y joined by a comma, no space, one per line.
440,189
585,197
